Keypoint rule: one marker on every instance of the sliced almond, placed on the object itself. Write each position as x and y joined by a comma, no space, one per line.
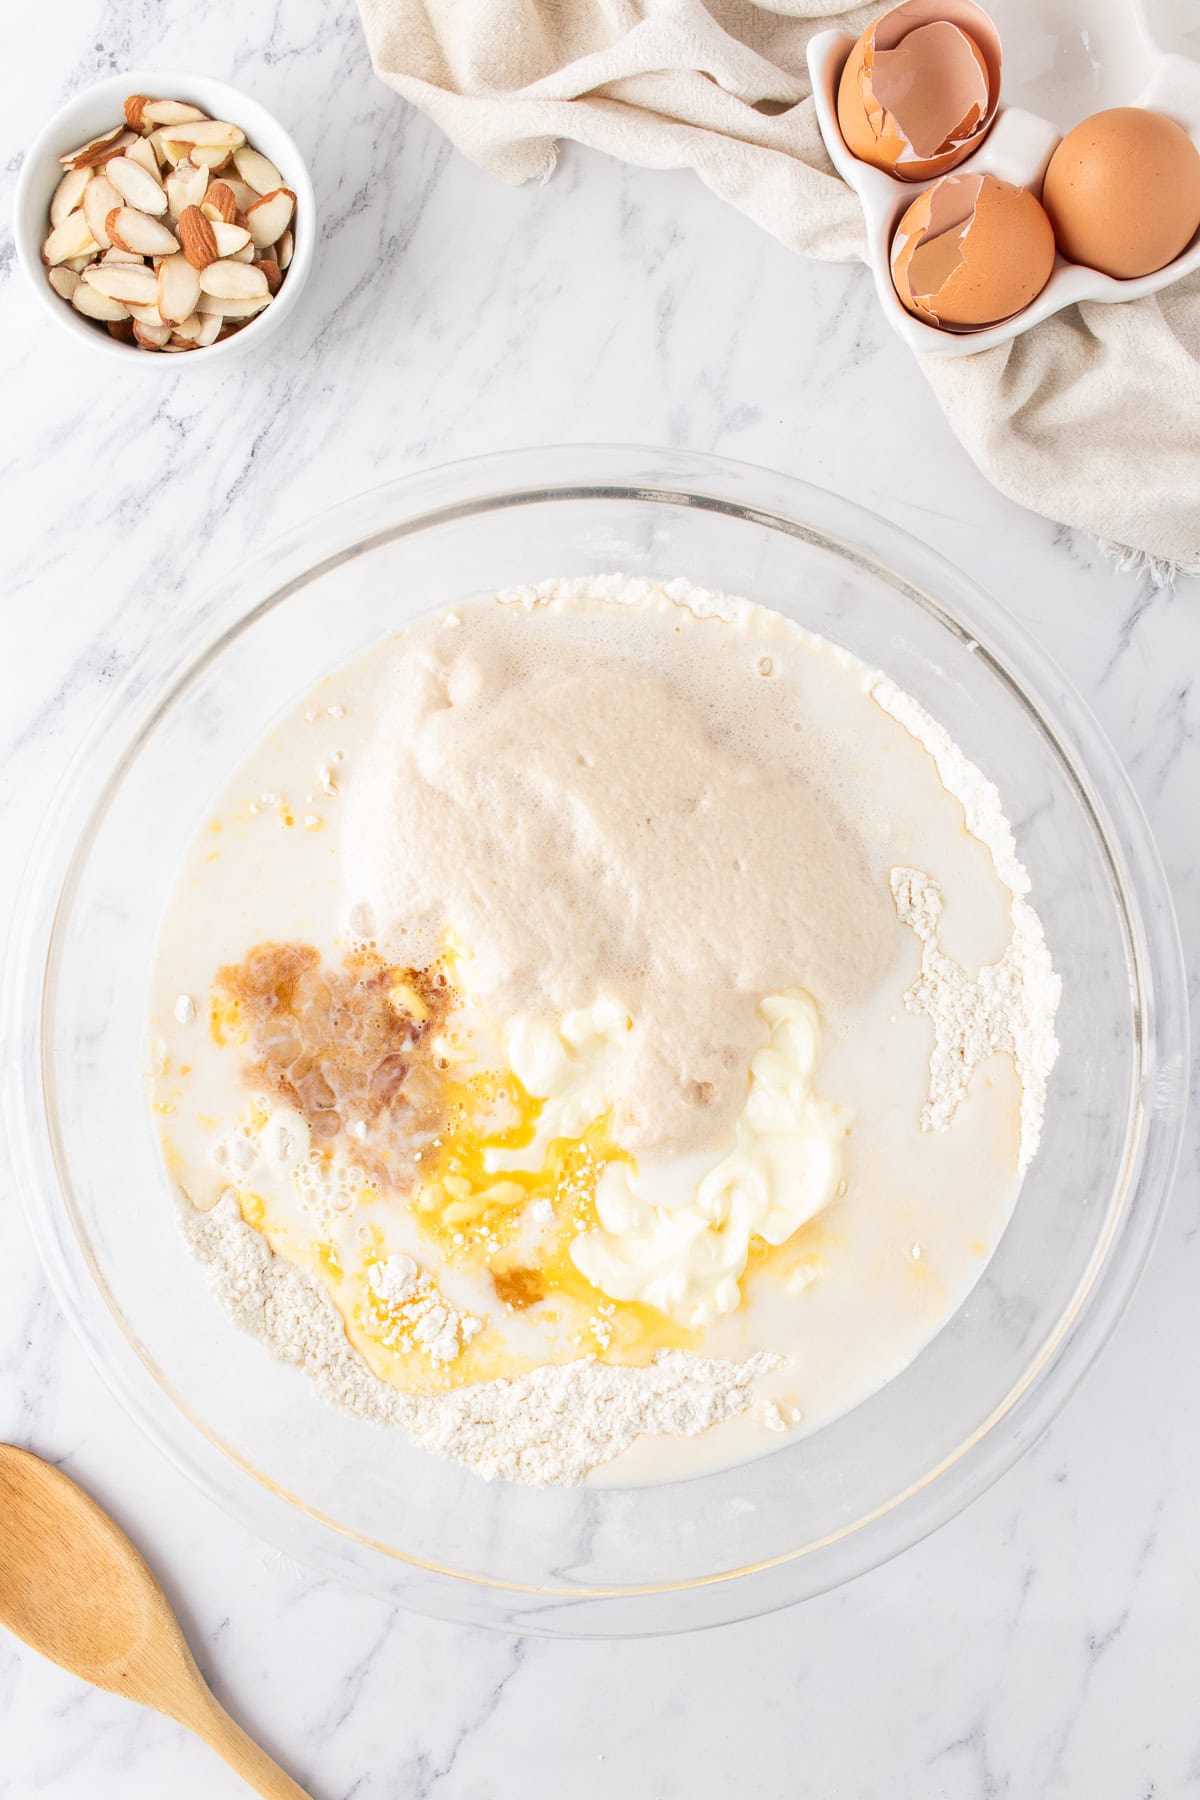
147,315
270,217
229,280
178,287
171,112
242,192
198,331
209,133
214,157
77,264
222,199
69,194
257,170
135,110
230,238
197,238
95,150
151,337
137,185
168,153
125,142
187,185
70,239
64,281
247,253
130,229
105,149
142,151
99,198
283,250
117,255
94,305
230,309
272,271
122,329
132,283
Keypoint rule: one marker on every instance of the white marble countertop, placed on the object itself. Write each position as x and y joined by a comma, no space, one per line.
1044,1643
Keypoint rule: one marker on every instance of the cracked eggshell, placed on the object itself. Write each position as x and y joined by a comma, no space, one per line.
919,90
971,251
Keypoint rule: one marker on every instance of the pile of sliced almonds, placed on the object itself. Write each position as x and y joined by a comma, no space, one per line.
170,229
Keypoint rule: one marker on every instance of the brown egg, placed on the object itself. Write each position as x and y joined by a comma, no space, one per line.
971,251
1123,191
918,91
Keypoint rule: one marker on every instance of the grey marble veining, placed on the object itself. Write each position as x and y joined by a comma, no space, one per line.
1042,1644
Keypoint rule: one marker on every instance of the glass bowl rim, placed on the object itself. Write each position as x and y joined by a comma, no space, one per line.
160,675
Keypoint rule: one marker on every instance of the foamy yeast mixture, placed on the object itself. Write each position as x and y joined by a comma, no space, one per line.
590,1033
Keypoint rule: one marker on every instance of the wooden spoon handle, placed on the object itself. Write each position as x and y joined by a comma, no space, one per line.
211,1722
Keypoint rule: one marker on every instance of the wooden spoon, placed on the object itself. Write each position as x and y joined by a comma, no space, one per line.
74,1587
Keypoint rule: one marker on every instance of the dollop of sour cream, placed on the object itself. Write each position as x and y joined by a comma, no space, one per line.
785,1167
563,1065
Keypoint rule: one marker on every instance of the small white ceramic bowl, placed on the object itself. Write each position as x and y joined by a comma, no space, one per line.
96,110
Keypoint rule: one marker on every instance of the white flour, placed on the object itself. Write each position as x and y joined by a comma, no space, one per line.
1010,1006
438,1328
1012,1003
547,1428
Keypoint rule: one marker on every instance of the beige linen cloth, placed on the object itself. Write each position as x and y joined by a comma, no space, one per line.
1092,417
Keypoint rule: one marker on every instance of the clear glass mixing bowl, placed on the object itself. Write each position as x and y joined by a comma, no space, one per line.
360,1503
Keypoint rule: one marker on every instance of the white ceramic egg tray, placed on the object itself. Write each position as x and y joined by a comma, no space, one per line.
1138,72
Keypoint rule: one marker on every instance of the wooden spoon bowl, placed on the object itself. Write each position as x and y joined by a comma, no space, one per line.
75,1589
